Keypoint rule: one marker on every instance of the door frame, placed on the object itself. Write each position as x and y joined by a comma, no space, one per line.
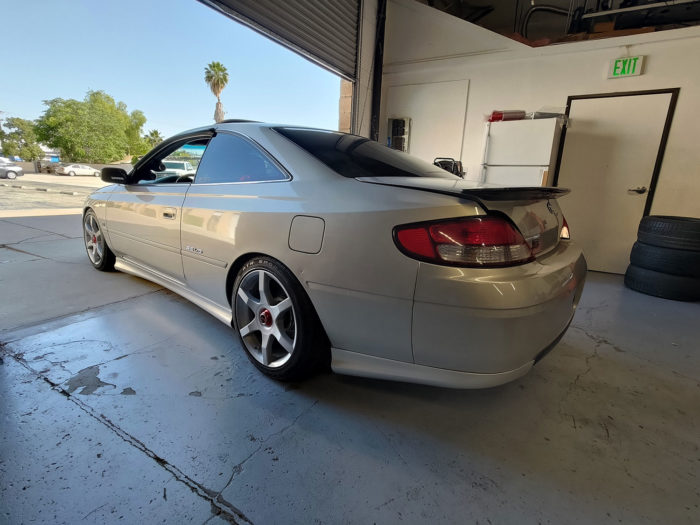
662,144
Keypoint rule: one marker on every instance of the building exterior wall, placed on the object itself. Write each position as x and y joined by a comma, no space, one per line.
345,106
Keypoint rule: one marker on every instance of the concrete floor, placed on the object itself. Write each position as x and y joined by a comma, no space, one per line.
120,401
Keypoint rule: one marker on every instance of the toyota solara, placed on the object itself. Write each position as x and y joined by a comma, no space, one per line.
320,248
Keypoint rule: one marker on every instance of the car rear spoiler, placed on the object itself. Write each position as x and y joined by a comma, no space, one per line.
470,190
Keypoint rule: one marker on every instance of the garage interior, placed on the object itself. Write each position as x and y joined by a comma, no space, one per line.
123,402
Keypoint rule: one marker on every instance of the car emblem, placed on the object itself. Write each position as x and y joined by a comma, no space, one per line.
550,208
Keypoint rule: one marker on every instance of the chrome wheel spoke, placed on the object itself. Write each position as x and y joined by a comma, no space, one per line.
266,348
250,328
284,340
264,288
281,307
249,301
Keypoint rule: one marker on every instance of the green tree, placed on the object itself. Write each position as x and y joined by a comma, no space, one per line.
136,143
96,129
20,139
216,77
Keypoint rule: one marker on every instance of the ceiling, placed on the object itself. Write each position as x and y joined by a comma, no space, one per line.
542,23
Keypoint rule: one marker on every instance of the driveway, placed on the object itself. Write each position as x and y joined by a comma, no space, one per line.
121,401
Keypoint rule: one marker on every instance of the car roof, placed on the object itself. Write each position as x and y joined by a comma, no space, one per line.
243,126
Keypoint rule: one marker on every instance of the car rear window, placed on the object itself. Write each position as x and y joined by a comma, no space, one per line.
353,156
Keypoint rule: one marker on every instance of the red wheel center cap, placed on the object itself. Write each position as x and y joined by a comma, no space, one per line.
94,238
265,317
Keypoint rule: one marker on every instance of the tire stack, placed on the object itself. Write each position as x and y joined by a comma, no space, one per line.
665,260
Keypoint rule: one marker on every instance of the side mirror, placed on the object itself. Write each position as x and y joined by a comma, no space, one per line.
114,175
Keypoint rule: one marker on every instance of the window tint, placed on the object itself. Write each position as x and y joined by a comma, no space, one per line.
230,158
176,163
353,156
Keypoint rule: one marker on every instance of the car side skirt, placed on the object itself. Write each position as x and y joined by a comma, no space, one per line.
352,363
222,314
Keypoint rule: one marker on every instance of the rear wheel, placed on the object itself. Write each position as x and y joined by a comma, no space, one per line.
276,322
98,252
71,173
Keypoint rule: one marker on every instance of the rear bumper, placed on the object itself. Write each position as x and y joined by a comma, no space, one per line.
354,364
495,321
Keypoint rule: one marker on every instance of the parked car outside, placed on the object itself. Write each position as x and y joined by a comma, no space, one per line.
47,166
9,170
320,247
77,169
178,167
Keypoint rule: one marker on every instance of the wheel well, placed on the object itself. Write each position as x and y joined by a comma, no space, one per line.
233,271
231,278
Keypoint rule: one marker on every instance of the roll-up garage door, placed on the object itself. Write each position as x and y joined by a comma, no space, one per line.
322,31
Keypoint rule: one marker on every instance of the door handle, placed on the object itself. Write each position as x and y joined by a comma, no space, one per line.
640,191
169,213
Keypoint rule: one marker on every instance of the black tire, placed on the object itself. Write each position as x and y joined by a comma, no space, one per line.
663,285
71,173
311,350
666,260
11,175
682,233
107,260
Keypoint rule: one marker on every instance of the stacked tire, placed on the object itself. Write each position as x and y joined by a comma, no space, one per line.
665,260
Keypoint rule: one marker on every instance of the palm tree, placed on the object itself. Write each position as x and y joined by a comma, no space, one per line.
153,138
216,77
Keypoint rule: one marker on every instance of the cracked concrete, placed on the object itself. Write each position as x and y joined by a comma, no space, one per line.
604,430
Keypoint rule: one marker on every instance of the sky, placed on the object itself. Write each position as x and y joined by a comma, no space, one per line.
151,55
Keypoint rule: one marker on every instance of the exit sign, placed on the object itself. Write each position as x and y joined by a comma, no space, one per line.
626,67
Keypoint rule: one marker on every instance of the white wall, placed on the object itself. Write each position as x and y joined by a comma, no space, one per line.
425,103
523,78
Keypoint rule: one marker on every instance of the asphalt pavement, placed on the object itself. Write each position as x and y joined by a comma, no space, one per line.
45,192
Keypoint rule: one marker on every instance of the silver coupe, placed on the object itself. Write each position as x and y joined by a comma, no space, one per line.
322,248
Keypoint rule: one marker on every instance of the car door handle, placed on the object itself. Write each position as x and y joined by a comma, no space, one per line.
169,213
641,190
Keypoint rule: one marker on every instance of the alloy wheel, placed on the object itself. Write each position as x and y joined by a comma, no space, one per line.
94,240
265,318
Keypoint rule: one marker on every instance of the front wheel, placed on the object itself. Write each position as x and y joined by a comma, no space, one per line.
11,175
276,322
71,173
101,257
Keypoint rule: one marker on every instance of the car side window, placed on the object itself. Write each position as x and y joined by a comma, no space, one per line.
230,158
174,166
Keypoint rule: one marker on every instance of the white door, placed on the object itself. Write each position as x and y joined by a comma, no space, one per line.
610,150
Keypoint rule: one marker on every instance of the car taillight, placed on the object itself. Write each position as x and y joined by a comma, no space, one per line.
565,234
482,242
